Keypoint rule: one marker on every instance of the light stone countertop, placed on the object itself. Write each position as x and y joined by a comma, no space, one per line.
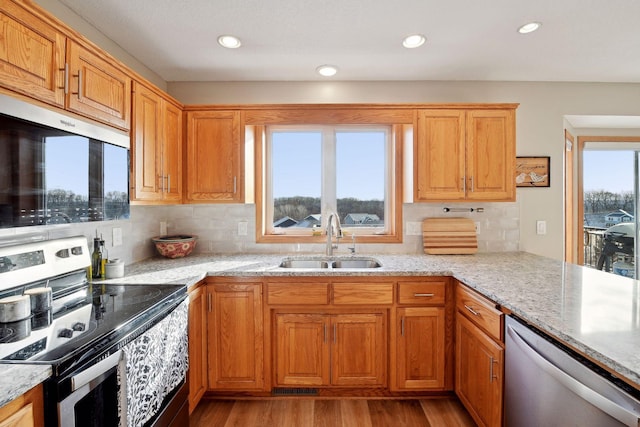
594,312
15,380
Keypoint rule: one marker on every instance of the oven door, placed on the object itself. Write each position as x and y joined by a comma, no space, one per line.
98,395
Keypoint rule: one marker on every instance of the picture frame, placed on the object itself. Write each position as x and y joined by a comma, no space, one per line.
533,171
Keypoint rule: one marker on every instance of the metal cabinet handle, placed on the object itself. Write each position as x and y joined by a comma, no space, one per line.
402,326
423,295
79,76
235,181
492,376
325,332
209,302
335,333
472,186
475,313
65,83
169,183
464,184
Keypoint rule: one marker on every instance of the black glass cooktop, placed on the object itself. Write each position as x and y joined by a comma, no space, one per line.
103,317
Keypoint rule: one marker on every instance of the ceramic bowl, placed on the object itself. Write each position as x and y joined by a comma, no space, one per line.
175,246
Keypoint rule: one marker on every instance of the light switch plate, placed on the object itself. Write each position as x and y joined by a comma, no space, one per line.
163,228
242,228
541,227
117,236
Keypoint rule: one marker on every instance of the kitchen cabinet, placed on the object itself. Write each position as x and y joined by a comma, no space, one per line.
342,349
464,154
32,55
418,337
235,337
214,157
197,345
24,411
41,60
97,88
479,357
156,148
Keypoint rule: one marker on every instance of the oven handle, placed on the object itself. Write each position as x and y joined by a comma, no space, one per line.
93,372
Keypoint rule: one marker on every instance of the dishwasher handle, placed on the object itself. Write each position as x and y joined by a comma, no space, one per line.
623,415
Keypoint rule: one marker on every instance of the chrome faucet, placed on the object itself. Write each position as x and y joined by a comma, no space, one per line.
330,245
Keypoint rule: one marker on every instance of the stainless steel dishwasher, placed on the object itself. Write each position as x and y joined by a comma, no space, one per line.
546,384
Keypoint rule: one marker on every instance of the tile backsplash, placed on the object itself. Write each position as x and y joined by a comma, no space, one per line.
217,229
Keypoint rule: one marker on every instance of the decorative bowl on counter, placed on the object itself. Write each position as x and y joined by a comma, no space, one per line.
175,246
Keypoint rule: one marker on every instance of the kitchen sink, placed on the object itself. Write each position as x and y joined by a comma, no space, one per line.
330,263
304,263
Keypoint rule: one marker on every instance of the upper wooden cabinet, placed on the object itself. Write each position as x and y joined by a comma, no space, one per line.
97,88
464,154
156,148
32,55
215,157
50,63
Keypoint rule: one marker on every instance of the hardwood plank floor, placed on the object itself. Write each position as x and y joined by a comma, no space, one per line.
437,412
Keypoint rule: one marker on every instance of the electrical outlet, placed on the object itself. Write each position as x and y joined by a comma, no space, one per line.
477,227
541,227
242,228
117,236
163,228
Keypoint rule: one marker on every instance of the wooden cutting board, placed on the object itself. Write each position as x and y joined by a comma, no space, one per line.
449,236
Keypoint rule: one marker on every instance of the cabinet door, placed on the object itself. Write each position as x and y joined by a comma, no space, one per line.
302,349
439,156
358,350
420,348
31,55
197,347
235,337
214,154
97,88
172,152
491,154
24,411
147,145
479,370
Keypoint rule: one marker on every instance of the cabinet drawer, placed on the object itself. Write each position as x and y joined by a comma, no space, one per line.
362,293
422,293
480,311
298,293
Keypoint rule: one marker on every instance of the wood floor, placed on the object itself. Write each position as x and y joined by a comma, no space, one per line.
446,412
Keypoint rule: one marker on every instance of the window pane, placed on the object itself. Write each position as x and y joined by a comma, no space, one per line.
360,178
116,182
67,188
296,159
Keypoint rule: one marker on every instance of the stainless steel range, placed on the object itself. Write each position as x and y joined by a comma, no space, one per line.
101,340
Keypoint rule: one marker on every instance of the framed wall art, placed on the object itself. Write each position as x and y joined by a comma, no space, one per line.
532,171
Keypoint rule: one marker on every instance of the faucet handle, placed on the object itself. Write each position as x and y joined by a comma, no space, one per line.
352,248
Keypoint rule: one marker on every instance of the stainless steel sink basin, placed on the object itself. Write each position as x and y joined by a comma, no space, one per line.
330,263
357,263
304,263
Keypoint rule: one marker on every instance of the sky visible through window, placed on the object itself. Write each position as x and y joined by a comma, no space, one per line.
360,168
608,170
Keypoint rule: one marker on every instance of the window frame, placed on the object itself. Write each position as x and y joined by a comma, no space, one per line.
395,119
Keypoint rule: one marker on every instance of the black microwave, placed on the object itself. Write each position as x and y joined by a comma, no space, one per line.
56,168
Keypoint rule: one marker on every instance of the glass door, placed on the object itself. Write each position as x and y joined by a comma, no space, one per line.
609,204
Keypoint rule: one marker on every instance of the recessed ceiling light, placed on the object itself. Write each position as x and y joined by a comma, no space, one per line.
529,28
230,42
327,70
413,41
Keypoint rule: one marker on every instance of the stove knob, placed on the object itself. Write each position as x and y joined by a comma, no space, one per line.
65,333
78,326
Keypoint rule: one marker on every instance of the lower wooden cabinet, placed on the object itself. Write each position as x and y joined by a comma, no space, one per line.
420,348
343,349
197,346
479,361
235,336
24,411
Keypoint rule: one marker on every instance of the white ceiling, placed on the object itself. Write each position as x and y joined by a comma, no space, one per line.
580,40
